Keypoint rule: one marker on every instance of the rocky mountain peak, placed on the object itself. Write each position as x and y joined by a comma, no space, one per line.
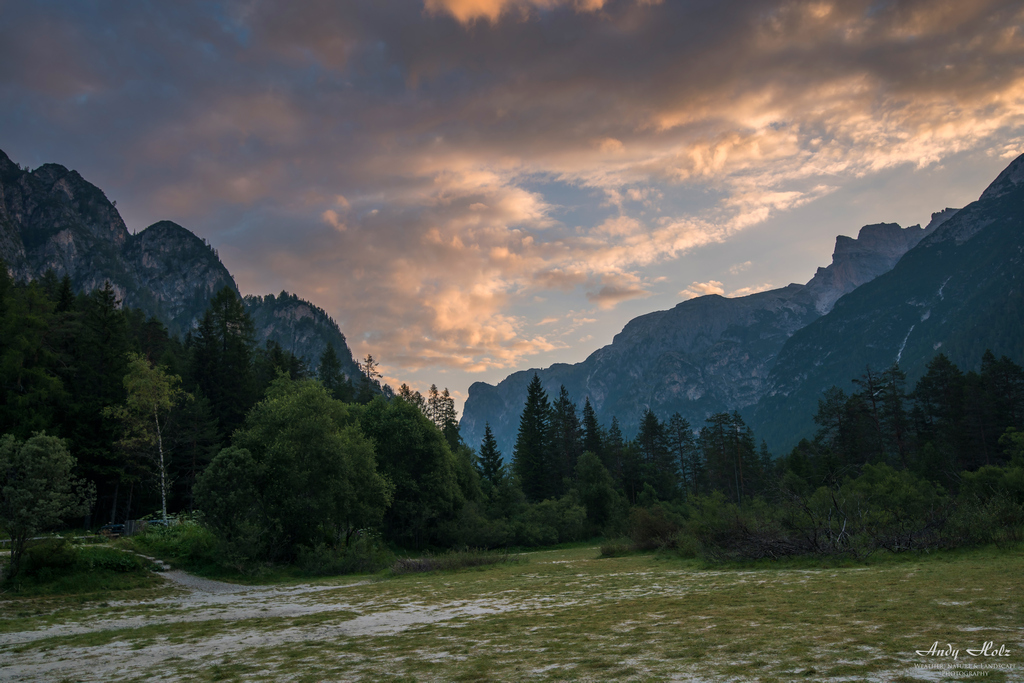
1009,180
875,250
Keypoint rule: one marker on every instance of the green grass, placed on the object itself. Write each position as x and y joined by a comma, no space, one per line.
565,614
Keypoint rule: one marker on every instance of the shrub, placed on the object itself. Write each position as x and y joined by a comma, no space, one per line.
615,548
365,554
49,558
652,528
189,543
453,560
978,521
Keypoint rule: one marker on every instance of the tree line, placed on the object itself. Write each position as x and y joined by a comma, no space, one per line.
287,465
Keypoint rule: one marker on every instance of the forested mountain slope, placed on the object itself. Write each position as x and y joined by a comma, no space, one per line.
958,292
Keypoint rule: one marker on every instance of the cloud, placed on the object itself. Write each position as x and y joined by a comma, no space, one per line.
609,296
754,289
471,10
702,289
740,267
440,175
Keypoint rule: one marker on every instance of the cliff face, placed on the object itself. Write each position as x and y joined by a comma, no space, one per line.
706,355
53,219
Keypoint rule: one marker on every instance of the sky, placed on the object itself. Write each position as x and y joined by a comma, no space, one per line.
475,187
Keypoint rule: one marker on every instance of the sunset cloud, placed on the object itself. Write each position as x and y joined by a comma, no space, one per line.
444,176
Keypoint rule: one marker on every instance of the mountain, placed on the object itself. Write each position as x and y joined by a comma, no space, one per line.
53,219
959,292
706,355
299,327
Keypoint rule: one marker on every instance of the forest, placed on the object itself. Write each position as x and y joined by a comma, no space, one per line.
105,417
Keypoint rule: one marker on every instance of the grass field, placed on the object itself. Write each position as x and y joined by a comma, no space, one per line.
562,615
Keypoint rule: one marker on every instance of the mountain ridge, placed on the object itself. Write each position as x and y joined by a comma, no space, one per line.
53,219
705,355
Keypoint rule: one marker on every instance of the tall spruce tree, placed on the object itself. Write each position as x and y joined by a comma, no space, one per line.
658,467
533,444
683,447
489,462
330,375
566,441
593,435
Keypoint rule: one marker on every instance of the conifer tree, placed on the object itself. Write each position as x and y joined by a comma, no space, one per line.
593,437
329,372
659,469
683,447
222,359
489,461
369,383
533,444
566,440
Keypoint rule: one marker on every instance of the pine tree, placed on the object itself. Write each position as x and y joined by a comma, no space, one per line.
449,420
658,465
533,444
939,410
369,383
490,463
566,441
221,364
613,450
593,437
895,420
329,372
682,445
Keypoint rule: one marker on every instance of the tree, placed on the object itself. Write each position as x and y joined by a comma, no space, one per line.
658,468
152,394
596,492
684,448
895,421
939,410
222,359
490,464
533,443
415,456
370,379
330,375
29,386
406,393
299,473
37,490
566,440
593,436
449,421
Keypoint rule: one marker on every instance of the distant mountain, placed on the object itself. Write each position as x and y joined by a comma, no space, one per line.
706,355
53,219
959,292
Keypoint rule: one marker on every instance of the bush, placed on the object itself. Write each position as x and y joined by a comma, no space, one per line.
111,559
652,528
453,560
366,554
979,521
50,558
57,566
615,548
189,543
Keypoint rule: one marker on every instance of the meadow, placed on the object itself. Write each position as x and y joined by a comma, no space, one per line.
564,614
